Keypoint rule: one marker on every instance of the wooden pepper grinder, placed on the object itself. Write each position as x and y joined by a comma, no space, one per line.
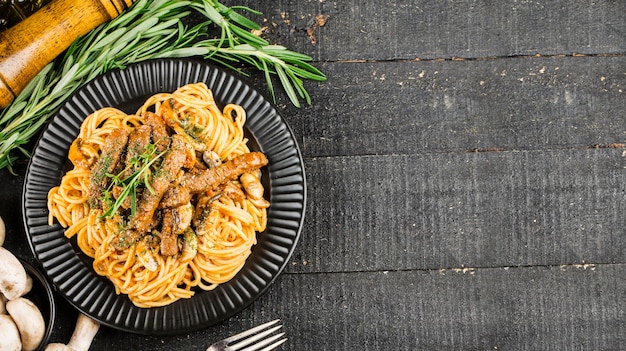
30,45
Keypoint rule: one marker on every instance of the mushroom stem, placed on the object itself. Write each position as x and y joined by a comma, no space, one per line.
84,332
86,329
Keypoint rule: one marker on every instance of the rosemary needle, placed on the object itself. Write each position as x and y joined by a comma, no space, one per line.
151,29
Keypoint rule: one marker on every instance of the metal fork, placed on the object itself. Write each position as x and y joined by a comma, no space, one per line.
254,339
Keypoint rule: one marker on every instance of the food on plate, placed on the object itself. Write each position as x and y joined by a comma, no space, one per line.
166,199
29,322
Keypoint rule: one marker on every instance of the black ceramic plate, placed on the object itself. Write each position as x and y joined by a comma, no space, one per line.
71,271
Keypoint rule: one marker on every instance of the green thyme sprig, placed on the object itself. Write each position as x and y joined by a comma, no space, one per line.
140,178
151,29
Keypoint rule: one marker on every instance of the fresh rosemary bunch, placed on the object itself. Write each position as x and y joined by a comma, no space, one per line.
151,29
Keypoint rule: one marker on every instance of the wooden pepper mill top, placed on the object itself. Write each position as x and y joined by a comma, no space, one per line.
33,43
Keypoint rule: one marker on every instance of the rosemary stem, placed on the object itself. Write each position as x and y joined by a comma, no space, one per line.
149,29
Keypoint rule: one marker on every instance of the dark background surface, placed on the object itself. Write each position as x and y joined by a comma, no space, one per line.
466,169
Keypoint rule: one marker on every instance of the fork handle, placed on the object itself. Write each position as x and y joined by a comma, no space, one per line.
30,45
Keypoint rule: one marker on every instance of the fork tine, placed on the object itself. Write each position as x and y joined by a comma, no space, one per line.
274,345
250,331
266,342
254,338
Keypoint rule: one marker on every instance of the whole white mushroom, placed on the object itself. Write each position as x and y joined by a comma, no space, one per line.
29,321
14,281
9,334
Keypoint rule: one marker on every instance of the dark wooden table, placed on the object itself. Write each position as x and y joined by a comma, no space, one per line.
466,168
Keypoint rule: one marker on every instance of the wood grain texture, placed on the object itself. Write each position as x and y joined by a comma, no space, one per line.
432,29
473,199
453,210
451,106
533,308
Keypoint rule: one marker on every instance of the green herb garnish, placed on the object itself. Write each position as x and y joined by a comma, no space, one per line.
140,165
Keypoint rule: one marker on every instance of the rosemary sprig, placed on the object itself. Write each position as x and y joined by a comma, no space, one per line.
140,178
151,29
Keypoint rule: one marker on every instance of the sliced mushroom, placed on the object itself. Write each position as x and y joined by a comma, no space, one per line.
211,158
29,321
145,253
190,245
14,282
182,218
252,184
9,334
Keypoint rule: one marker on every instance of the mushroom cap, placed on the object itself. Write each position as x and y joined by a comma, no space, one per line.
14,282
29,321
9,334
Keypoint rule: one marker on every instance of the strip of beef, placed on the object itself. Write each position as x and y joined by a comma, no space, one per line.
117,192
175,222
169,246
111,152
159,130
149,201
138,140
233,191
175,196
211,178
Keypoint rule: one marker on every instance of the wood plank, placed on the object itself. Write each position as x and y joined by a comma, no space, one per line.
525,308
577,205
431,29
443,210
434,211
504,104
454,204
457,304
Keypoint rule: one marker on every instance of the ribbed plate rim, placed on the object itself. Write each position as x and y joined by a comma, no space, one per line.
68,269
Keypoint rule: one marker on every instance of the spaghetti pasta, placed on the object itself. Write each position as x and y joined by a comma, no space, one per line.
166,199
